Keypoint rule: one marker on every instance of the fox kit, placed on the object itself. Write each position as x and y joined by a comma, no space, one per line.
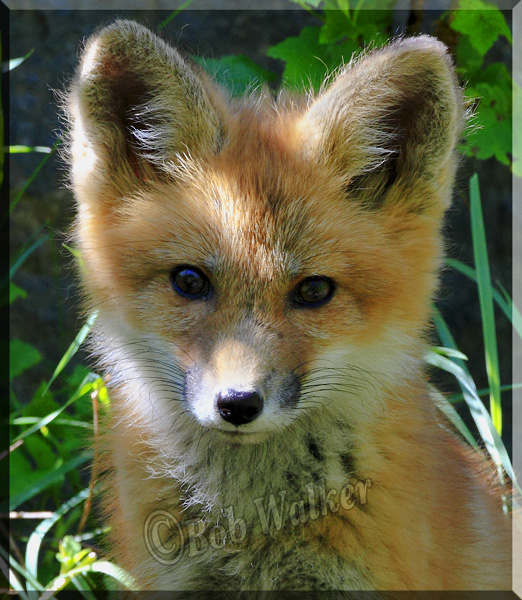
263,270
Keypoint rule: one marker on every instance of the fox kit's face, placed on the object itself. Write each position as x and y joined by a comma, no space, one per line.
254,264
252,295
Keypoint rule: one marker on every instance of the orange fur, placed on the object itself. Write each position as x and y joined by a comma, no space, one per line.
259,196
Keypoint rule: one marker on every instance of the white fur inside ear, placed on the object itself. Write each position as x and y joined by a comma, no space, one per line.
89,58
84,159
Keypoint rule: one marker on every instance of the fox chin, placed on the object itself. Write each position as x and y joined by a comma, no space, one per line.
263,270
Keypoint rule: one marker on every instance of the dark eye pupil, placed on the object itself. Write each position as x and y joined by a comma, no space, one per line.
314,290
189,281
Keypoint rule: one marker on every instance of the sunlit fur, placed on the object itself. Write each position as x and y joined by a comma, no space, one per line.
350,184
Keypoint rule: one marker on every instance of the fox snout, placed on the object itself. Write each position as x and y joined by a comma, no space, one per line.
236,388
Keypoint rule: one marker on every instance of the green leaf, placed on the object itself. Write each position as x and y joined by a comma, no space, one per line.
20,472
496,74
42,453
70,552
41,403
76,379
492,138
494,99
482,22
363,26
491,135
480,253
22,356
468,59
15,292
337,25
297,52
237,73
45,480
308,62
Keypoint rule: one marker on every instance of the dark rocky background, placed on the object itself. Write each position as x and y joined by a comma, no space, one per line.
47,318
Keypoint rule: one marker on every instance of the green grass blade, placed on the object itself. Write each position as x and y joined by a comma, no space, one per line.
83,587
68,422
15,584
504,303
73,251
485,392
89,380
480,253
440,361
480,414
26,253
33,175
35,540
16,62
28,149
73,348
173,14
445,335
516,318
89,535
47,480
99,566
19,569
488,432
449,352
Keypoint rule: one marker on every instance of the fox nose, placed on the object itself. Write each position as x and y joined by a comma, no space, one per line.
239,408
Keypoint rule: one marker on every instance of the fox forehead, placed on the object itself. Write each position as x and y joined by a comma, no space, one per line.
226,226
257,206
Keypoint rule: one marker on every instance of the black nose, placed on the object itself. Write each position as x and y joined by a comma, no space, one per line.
239,408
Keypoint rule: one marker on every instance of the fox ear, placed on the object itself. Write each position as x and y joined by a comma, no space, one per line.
134,105
390,123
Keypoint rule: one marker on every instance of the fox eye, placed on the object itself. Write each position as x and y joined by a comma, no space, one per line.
314,291
190,282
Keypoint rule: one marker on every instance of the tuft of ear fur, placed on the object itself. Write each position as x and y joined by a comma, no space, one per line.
389,121
135,104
